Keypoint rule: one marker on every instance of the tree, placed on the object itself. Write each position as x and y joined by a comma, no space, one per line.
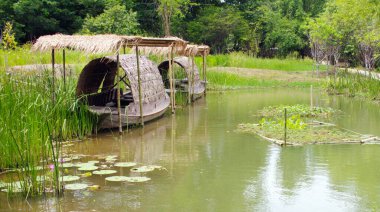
170,8
115,19
223,28
8,37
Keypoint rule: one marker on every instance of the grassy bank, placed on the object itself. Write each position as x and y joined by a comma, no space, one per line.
244,61
354,85
229,78
32,126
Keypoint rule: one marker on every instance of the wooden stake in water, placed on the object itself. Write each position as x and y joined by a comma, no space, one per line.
311,97
118,93
188,86
285,127
139,82
204,70
171,79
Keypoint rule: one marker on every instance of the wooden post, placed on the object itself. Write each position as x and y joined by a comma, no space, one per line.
64,67
53,72
124,49
188,86
171,79
173,76
192,78
139,82
285,127
311,97
204,70
118,93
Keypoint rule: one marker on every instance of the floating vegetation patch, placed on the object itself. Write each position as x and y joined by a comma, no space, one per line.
137,179
125,164
69,178
2,184
76,186
104,172
301,128
297,110
117,178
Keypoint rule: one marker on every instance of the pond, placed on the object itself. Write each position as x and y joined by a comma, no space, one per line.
208,166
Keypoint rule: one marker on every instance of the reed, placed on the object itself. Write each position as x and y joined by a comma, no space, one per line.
353,85
33,125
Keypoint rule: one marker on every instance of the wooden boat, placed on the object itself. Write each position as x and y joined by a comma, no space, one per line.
192,83
98,87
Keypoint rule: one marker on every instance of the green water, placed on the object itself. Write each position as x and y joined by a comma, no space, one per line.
212,168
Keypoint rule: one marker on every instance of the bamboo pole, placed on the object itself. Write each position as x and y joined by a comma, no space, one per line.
311,97
139,82
171,80
173,76
53,72
285,127
204,70
188,87
64,66
192,78
118,93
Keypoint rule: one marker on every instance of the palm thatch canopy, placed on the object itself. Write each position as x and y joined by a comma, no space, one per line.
104,43
188,50
203,50
87,43
102,72
191,70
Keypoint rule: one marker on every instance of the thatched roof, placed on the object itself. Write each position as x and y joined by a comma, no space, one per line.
86,43
203,50
103,43
189,50
103,70
187,64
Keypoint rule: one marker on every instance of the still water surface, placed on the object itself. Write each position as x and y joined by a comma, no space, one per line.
212,168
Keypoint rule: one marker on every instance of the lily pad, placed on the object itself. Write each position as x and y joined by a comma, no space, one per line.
2,184
42,178
69,178
14,190
76,186
66,165
125,164
88,168
15,185
137,179
143,169
93,161
36,168
104,172
117,178
64,160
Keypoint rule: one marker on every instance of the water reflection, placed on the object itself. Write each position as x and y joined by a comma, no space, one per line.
212,168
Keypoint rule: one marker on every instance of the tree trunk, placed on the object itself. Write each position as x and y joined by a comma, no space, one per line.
166,20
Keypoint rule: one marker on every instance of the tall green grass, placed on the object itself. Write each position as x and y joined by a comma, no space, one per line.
241,60
354,85
218,80
33,125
